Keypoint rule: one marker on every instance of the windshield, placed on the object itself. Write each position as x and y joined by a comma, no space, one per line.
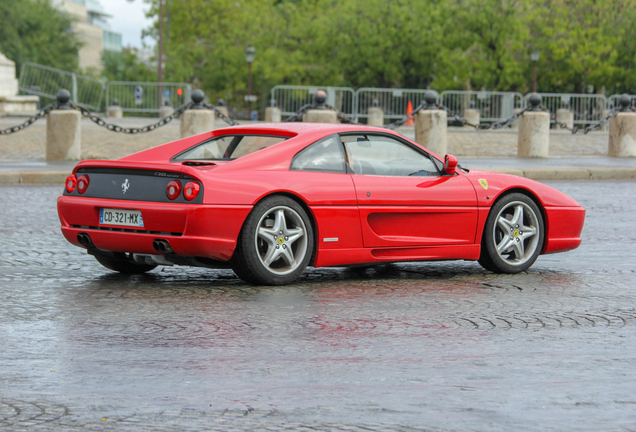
228,147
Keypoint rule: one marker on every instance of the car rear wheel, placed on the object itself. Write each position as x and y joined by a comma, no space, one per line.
513,235
275,244
119,262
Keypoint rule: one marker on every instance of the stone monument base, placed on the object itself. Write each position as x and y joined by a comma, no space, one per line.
18,104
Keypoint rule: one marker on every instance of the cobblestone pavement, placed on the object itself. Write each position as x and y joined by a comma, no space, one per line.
405,347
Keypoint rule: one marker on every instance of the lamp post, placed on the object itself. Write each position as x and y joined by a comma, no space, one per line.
250,53
534,56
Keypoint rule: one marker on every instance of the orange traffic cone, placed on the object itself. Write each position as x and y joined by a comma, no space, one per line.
409,114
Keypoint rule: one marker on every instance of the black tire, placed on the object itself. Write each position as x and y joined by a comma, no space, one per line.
513,235
119,262
485,263
276,243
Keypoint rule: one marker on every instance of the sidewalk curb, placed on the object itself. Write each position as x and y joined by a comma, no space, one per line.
596,173
33,177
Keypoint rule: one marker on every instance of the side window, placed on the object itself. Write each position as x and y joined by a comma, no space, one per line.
228,147
324,155
385,156
212,149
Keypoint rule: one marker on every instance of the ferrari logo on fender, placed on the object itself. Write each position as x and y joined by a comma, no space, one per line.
483,183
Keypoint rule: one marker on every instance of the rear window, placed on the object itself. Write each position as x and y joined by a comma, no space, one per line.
228,147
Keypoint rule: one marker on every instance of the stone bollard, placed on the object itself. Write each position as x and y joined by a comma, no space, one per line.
534,131
566,116
114,110
430,126
376,115
272,114
63,131
165,111
472,116
622,131
198,119
320,113
320,116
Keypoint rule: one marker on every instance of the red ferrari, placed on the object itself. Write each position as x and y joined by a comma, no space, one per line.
268,200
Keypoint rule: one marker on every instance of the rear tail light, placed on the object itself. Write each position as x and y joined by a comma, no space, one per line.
191,190
82,184
71,182
173,190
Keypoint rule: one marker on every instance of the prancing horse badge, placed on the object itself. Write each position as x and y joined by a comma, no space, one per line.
483,183
125,185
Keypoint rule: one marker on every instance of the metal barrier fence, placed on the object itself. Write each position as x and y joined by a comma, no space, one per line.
45,82
587,108
394,102
492,106
144,96
289,99
612,102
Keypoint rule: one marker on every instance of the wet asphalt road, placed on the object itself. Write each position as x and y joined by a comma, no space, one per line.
424,346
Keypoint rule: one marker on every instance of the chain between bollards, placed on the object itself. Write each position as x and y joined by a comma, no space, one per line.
625,106
116,128
63,96
430,103
63,102
42,113
198,103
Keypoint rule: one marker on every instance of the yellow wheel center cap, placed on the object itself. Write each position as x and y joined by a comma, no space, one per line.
516,233
281,240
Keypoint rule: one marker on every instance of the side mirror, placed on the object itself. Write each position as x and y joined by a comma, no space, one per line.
450,164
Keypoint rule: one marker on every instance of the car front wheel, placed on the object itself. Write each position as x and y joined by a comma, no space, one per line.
275,244
513,235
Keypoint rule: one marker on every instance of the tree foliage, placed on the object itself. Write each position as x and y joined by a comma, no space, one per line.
442,44
126,66
34,31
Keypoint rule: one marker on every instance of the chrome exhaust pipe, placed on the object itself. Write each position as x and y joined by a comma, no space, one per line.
85,240
162,246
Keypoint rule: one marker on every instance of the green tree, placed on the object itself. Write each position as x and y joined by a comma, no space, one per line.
579,42
444,44
34,31
379,43
126,66
624,79
484,45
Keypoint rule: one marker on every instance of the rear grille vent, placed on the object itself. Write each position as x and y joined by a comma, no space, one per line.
127,230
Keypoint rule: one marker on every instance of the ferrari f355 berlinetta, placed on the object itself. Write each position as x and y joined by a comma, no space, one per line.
268,200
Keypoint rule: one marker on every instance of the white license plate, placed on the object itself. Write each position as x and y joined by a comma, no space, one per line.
120,217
